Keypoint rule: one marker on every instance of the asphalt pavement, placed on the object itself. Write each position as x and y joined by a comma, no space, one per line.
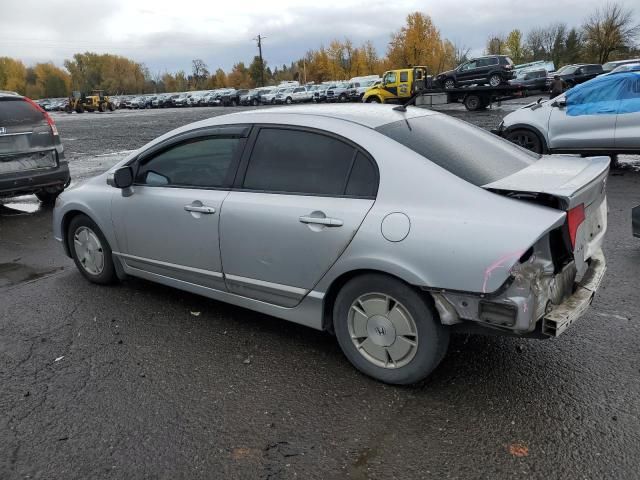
139,380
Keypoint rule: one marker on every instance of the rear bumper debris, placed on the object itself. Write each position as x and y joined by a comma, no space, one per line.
562,316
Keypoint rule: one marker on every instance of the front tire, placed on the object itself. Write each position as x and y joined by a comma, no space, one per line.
526,139
449,83
373,100
388,330
288,101
90,251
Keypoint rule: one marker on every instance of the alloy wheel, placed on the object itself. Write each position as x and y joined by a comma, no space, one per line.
382,330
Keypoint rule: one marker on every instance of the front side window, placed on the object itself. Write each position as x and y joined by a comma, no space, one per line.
390,77
293,161
468,65
197,163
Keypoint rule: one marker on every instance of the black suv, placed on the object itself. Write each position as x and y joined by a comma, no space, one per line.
31,155
575,74
491,70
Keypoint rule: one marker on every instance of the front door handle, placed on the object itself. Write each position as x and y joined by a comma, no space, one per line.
326,221
200,209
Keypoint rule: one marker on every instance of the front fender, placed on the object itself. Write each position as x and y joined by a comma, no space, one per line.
91,200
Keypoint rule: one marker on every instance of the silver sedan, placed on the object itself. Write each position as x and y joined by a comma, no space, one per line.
389,228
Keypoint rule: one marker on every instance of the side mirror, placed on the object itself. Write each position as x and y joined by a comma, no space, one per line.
559,103
123,177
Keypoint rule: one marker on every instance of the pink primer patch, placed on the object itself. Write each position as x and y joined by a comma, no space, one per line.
499,263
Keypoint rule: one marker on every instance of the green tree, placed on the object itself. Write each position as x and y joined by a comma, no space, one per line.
515,46
572,47
257,71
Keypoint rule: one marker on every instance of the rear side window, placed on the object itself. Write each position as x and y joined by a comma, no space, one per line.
363,180
404,76
463,149
197,163
492,61
15,112
294,161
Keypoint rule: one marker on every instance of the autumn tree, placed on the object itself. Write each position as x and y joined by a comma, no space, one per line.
239,76
12,75
417,43
496,45
47,80
610,29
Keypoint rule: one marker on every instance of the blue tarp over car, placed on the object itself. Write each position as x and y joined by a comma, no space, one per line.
605,95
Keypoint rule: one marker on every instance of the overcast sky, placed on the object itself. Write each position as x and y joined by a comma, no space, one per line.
167,35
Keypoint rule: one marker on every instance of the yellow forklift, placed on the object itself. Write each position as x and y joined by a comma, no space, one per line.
97,101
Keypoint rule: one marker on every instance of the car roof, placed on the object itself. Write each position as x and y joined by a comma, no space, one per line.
367,115
5,94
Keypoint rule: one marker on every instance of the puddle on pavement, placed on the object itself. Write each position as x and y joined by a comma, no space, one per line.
14,273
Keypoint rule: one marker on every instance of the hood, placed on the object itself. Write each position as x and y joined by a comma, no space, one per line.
442,74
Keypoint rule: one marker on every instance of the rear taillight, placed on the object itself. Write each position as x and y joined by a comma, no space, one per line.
47,117
575,217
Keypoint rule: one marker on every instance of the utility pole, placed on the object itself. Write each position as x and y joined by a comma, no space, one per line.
259,40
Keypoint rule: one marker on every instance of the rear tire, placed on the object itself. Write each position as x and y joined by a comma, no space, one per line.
526,139
288,101
388,330
373,100
473,103
48,198
495,80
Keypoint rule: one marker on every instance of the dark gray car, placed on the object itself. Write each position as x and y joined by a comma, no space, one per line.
31,155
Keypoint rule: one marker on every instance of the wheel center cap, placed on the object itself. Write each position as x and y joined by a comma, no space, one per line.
381,331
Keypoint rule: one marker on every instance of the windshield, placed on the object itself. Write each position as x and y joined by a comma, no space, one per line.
472,154
627,68
567,69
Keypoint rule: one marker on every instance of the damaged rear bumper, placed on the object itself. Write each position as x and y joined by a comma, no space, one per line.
562,316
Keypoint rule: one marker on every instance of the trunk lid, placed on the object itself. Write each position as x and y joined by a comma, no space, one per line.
571,180
568,183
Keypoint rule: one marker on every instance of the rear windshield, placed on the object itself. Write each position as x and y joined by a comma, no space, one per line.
465,150
14,112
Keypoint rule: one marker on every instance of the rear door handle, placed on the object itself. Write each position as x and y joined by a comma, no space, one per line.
326,221
202,209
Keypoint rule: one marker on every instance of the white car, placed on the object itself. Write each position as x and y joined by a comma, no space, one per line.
301,94
601,116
